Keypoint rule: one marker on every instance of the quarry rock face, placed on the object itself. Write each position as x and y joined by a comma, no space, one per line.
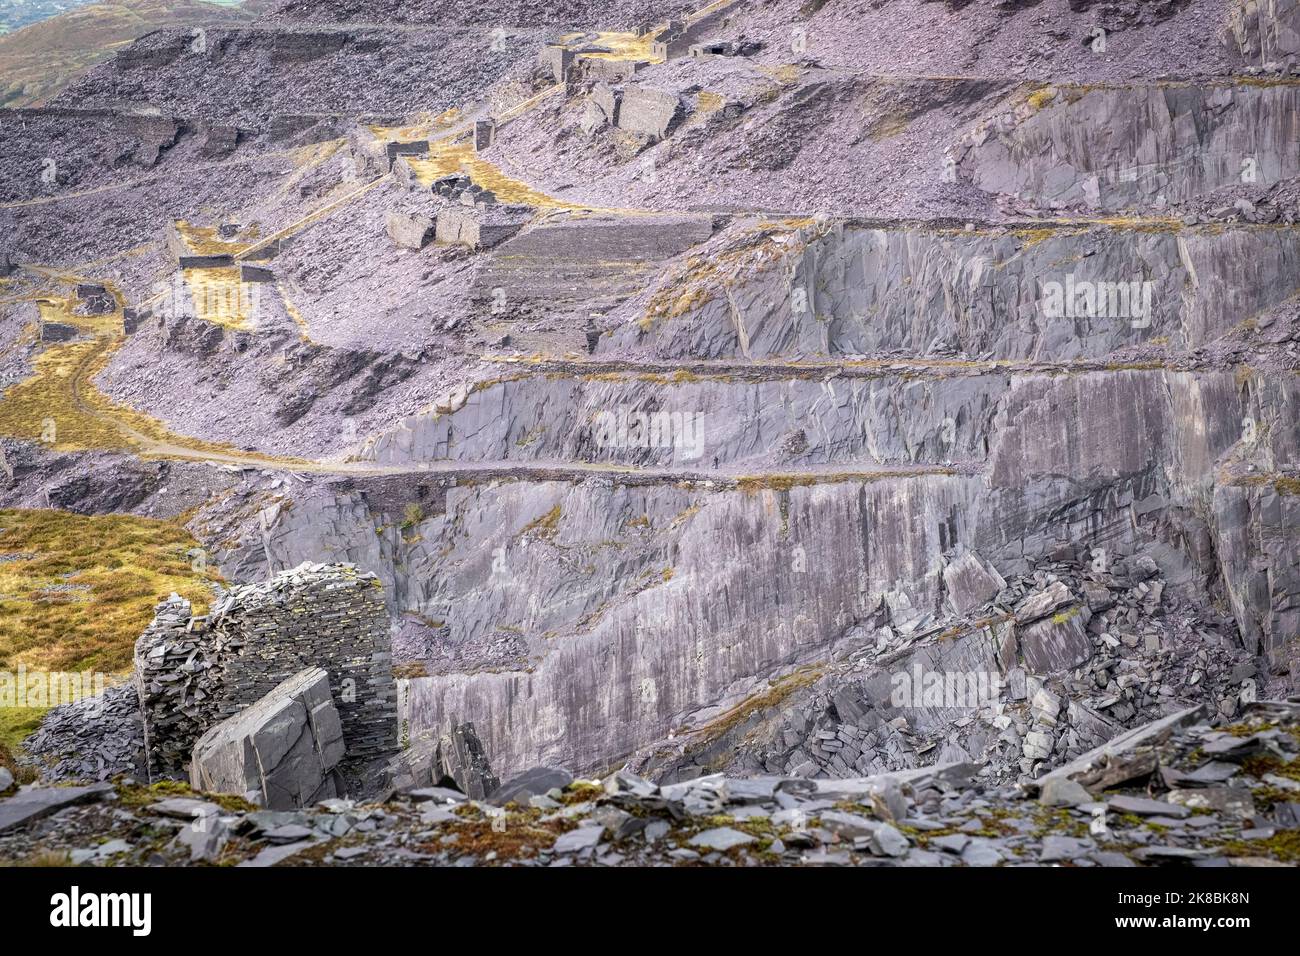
279,753
845,289
1265,30
1113,148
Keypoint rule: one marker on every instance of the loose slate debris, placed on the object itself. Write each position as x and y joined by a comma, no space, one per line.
933,816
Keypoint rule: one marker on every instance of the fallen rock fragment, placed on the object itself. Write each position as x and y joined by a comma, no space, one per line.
281,752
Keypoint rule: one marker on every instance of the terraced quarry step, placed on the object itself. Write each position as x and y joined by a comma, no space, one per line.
1116,146
1053,292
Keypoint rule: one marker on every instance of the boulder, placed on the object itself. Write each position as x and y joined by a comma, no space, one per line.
1043,603
1058,642
281,752
531,783
457,761
1130,755
1063,792
649,112
410,231
970,582
462,763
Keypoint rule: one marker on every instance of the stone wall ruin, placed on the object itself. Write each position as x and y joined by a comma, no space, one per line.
194,672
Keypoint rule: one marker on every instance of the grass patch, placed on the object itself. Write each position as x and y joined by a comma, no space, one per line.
120,565
16,725
545,525
581,791
786,482
522,837
1040,98
770,698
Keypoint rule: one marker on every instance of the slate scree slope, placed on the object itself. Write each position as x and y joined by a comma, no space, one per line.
783,390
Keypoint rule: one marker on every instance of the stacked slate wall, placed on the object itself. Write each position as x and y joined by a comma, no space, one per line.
194,672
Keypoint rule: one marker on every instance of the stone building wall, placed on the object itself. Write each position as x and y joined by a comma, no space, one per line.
194,672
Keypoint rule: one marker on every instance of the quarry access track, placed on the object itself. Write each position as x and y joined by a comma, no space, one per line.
776,370
146,446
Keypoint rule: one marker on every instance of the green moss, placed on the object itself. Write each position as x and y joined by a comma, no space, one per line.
785,482
1284,845
412,516
137,796
1245,730
772,697
1064,616
581,791
1057,820
1040,98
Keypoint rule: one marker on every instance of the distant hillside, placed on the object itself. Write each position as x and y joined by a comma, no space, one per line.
16,14
38,61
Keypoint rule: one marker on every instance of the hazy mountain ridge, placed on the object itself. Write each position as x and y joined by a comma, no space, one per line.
45,53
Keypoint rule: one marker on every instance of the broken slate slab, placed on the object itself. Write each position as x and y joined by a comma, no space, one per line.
1043,603
981,853
184,808
1110,858
437,795
291,833
28,806
1129,755
888,841
1057,848
275,854
1232,801
1143,807
1216,771
721,838
575,841
205,838
1158,854
1058,642
970,583
531,783
1229,747
753,789
848,825
1063,792
951,842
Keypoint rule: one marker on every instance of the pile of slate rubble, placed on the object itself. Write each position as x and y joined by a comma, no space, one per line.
1176,791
